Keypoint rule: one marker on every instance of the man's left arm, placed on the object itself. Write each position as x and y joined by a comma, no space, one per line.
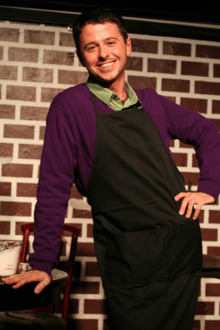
192,128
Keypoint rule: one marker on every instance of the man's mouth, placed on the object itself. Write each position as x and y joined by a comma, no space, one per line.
105,65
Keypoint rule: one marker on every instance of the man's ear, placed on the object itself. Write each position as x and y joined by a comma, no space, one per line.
79,57
128,45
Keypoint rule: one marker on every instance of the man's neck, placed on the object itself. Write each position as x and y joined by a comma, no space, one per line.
117,87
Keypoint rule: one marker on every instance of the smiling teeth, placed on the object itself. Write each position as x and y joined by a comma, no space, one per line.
107,64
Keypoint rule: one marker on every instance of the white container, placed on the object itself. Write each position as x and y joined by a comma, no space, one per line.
9,257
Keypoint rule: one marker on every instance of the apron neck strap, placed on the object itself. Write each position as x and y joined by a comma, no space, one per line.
94,102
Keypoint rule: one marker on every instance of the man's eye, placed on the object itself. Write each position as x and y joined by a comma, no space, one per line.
90,48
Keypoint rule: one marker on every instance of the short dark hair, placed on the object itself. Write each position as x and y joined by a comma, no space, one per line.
97,16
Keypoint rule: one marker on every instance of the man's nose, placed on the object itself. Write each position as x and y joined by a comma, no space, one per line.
103,52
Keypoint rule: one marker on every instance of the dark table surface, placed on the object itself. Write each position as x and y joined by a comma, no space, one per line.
25,298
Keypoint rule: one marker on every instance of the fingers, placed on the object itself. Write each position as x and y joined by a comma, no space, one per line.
41,286
190,199
32,276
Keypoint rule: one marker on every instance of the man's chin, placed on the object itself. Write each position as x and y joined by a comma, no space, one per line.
104,82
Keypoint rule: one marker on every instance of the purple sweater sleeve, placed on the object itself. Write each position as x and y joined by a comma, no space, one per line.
56,179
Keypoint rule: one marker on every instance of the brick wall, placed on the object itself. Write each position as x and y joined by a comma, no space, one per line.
36,63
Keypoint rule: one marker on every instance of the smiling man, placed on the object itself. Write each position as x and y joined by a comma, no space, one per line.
103,51
113,143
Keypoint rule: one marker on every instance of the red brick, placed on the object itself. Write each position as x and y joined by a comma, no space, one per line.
29,151
175,85
8,34
94,306
85,287
19,131
81,214
42,132
171,143
212,289
212,325
5,227
22,93
58,57
47,94
73,309
7,111
195,163
204,87
214,250
85,250
83,324
17,170
208,51
6,149
5,188
201,216
194,177
217,123
214,216
209,234
142,82
205,308
196,325
33,113
216,106
1,53
16,209
18,230
195,69
66,39
37,75
171,98
144,46
176,48
134,63
75,193
216,70
161,66
90,230
183,145
92,269
39,37
8,72
197,105
180,159
23,54
0,91
72,77
26,189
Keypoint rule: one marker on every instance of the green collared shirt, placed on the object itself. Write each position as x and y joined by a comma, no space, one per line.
110,98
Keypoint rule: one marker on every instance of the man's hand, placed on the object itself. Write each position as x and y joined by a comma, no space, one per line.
192,198
31,276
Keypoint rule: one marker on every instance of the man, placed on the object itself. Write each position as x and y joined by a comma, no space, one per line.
113,143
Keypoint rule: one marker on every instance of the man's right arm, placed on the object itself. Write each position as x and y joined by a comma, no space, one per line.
56,178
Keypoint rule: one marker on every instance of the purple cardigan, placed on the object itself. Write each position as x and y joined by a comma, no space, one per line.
69,149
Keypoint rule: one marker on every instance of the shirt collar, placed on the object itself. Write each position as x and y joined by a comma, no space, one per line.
110,98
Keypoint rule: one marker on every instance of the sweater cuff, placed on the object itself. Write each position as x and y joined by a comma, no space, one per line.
41,265
212,189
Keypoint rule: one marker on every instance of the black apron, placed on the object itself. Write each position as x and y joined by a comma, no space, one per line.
149,256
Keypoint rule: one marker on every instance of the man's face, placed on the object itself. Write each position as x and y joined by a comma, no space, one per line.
104,52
